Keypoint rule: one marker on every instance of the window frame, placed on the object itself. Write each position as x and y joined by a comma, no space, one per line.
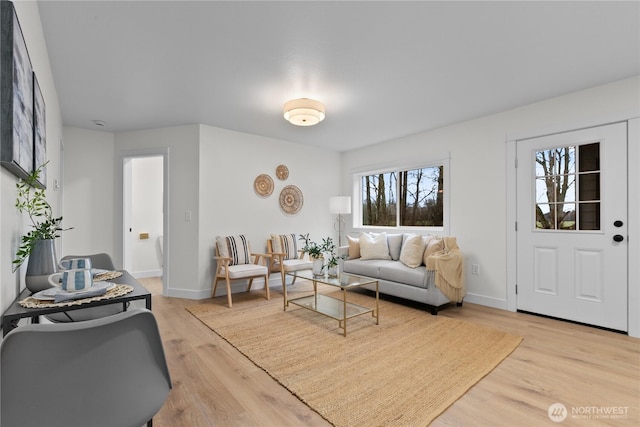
356,195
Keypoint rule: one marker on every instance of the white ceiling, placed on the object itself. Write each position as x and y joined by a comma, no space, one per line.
383,69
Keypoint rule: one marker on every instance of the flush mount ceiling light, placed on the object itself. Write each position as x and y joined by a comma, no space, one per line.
303,112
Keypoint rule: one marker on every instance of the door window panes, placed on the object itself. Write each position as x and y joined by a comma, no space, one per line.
567,188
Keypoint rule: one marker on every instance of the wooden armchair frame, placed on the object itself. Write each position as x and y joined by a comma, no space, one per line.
277,262
227,272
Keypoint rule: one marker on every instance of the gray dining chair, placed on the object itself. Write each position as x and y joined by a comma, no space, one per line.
102,261
104,372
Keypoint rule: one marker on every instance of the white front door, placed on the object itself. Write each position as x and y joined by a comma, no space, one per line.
572,226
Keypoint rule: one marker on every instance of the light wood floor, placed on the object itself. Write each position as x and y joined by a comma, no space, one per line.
586,369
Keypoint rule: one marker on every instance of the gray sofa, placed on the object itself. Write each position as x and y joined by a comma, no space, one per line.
394,277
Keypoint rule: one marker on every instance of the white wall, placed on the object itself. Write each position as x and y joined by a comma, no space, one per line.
229,163
181,143
211,174
478,170
146,174
12,226
88,191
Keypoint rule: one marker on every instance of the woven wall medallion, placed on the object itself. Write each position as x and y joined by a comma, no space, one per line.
263,185
291,200
282,172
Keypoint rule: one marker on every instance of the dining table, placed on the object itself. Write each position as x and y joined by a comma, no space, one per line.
23,307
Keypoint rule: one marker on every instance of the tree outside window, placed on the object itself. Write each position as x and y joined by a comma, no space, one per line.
406,198
568,188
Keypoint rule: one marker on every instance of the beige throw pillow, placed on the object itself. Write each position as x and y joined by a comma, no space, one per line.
354,247
374,247
412,250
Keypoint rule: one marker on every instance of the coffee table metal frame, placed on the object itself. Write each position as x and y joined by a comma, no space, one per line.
335,308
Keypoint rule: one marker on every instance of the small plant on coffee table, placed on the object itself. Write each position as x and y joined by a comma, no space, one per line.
312,248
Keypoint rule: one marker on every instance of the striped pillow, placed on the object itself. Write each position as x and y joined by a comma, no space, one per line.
234,247
289,246
285,243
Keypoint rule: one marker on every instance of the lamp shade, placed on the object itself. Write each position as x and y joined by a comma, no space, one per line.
340,205
303,112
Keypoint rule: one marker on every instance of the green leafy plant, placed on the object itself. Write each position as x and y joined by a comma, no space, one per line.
330,248
32,201
334,259
317,250
312,248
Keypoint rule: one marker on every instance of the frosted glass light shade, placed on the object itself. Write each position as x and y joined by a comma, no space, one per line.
340,205
303,112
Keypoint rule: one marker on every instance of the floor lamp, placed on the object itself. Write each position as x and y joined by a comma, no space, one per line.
340,205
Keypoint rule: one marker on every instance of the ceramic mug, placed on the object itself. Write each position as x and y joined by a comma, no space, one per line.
74,280
75,263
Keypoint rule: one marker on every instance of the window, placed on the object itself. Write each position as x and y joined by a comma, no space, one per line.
568,188
404,198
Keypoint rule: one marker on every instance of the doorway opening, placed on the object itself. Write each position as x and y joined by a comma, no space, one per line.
144,219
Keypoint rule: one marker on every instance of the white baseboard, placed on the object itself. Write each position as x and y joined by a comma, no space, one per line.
189,293
148,273
236,287
486,301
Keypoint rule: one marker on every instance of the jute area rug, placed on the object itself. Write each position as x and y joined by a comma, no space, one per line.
403,372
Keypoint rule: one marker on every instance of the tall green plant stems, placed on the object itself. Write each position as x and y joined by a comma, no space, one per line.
32,201
317,250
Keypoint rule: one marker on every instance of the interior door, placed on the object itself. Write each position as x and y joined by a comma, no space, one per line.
572,226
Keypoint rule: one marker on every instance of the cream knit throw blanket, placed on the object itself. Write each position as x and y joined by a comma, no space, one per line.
447,265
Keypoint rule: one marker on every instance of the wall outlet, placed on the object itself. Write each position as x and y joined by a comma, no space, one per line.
475,269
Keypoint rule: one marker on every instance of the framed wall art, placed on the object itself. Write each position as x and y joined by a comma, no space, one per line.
39,133
16,96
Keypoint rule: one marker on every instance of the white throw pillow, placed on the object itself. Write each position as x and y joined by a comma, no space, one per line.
374,247
412,250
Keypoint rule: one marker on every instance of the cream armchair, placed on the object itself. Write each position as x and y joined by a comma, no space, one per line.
235,261
285,256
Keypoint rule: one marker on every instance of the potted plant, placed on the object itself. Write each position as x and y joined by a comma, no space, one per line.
333,260
312,248
315,252
38,244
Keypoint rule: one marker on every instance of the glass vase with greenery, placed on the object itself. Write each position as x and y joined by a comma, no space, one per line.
44,225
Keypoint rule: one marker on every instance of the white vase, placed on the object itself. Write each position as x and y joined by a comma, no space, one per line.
318,266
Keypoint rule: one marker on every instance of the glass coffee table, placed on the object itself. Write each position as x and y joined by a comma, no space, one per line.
336,308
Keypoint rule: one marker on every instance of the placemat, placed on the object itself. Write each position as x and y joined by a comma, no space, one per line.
117,291
109,275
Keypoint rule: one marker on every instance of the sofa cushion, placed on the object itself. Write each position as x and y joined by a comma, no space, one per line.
354,247
394,241
412,250
374,247
369,268
395,271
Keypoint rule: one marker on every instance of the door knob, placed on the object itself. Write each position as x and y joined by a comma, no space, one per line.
618,238
618,223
